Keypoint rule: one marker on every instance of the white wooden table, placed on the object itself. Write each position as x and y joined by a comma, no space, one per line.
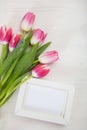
66,24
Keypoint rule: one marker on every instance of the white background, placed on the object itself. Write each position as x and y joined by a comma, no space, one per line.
65,21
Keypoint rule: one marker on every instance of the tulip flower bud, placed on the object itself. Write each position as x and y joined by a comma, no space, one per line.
38,36
2,33
5,35
48,57
27,21
14,41
8,35
40,70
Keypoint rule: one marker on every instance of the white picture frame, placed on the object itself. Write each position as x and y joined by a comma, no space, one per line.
45,100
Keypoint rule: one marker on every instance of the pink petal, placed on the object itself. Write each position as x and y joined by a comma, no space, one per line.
38,36
49,57
27,21
14,41
2,33
40,71
8,35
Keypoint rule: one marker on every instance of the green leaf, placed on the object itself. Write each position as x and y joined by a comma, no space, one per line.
24,63
11,57
6,76
18,51
42,49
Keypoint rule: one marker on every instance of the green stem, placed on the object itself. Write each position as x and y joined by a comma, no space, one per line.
36,61
4,52
3,101
11,90
23,34
9,86
24,80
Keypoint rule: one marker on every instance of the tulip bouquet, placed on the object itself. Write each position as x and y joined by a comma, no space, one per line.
22,56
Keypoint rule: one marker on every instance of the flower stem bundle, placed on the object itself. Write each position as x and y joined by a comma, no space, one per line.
22,56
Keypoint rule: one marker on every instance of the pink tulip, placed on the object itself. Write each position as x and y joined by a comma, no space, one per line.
8,35
14,41
27,21
40,70
2,33
49,57
5,35
38,36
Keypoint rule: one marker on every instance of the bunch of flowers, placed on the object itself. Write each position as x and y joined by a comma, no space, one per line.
22,56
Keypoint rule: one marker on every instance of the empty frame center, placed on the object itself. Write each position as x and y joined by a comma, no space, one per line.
45,99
